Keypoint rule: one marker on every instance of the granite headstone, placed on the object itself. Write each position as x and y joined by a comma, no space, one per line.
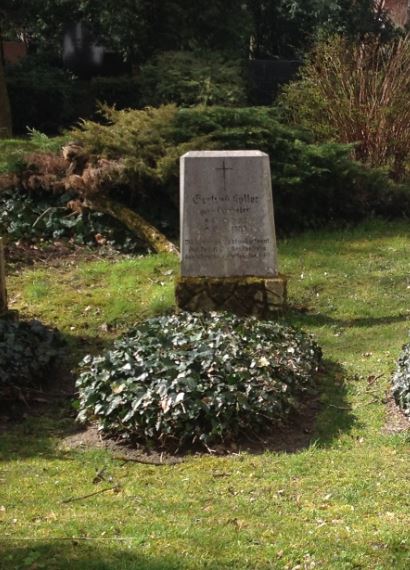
227,224
228,244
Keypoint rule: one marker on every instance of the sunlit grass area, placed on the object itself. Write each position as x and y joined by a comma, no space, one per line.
13,150
343,502
94,301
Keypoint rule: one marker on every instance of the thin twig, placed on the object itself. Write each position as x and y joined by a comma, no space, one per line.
369,403
72,499
146,461
41,216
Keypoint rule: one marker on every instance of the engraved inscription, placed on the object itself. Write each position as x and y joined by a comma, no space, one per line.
227,216
247,249
229,211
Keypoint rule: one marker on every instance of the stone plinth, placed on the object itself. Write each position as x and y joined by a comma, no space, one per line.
257,296
3,291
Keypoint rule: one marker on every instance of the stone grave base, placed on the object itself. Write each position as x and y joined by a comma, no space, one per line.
257,296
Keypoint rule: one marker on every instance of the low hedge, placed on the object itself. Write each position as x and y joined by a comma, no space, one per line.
49,99
313,184
187,379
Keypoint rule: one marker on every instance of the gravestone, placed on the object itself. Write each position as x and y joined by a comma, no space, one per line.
82,55
3,292
228,244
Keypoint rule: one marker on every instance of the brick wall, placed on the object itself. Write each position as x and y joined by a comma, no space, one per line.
399,11
14,51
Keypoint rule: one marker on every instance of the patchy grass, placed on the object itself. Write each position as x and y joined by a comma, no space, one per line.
341,503
94,301
12,151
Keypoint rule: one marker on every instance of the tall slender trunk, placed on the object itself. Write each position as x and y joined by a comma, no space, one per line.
5,111
3,291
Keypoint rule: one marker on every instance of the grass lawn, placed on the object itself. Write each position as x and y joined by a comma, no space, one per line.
343,502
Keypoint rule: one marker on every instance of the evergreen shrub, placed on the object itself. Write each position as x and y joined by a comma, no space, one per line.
188,79
40,96
28,351
401,380
47,98
188,378
313,184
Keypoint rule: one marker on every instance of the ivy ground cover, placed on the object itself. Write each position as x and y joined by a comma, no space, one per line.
341,502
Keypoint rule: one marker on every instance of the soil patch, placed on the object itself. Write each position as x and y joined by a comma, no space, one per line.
397,421
55,254
291,437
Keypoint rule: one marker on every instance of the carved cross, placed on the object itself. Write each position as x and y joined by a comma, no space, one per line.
224,170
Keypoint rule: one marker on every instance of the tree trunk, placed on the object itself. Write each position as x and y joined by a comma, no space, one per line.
133,221
3,291
5,112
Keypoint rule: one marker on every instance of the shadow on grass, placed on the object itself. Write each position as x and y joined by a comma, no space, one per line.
321,417
33,425
390,551
37,432
80,346
78,555
312,319
335,416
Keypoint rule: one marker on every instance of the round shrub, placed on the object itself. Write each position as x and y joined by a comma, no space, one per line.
28,350
401,380
187,379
